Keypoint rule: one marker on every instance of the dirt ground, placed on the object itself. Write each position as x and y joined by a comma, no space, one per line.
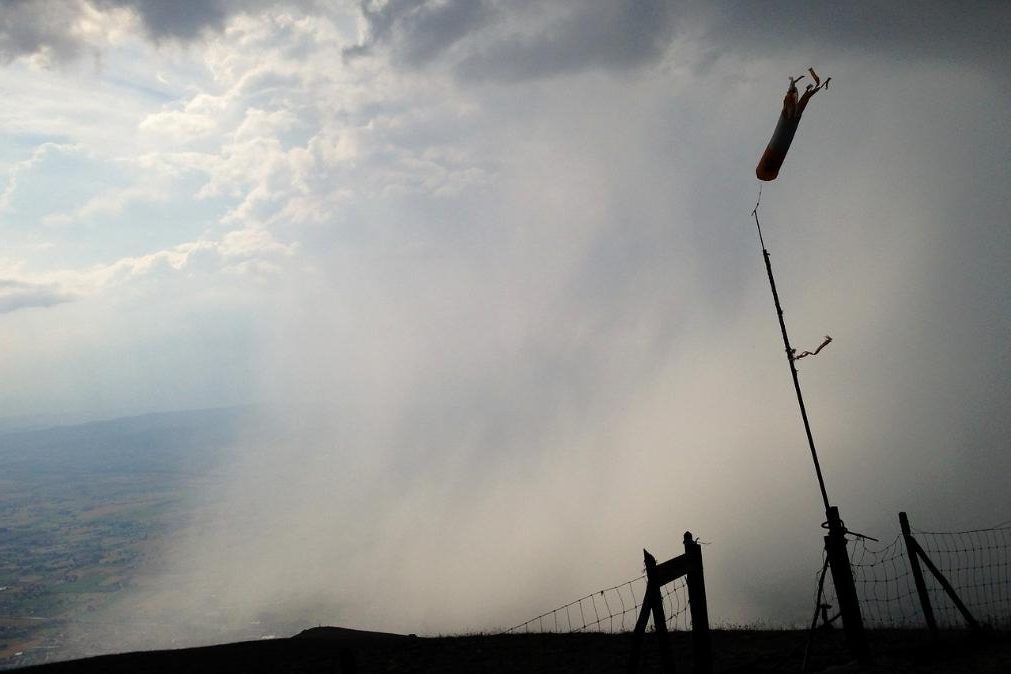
346,651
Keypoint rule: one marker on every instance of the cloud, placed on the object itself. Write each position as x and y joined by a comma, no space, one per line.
601,35
252,251
519,41
419,30
111,202
31,26
496,40
16,294
179,19
513,42
60,30
39,154
931,31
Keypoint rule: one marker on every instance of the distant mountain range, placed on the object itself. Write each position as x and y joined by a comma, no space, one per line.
157,442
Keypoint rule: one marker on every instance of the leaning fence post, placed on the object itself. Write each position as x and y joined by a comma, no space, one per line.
655,599
948,589
921,587
701,639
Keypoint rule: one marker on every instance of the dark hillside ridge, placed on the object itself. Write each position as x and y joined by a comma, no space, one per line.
319,649
347,635
344,651
274,655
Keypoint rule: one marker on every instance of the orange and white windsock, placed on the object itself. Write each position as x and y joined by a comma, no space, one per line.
793,107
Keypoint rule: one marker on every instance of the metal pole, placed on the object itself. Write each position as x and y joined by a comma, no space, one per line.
789,359
835,541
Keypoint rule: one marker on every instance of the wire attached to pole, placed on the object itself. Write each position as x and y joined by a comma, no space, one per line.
754,213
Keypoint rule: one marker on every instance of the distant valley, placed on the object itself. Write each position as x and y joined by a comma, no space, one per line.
84,507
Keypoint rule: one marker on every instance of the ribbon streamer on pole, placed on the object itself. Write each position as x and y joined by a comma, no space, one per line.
805,354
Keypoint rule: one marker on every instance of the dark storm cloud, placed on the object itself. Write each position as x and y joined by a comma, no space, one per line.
610,35
513,42
975,34
181,19
520,41
16,295
31,26
419,30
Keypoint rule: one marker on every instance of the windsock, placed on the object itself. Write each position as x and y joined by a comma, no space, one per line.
793,107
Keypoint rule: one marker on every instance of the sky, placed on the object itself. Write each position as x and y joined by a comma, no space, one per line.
491,266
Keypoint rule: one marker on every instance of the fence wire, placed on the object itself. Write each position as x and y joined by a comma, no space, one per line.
977,563
884,584
612,610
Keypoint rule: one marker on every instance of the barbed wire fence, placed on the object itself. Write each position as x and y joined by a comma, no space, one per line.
977,564
612,610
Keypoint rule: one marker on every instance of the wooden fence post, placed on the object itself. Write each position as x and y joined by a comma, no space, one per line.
652,602
952,594
640,625
912,549
845,588
653,584
947,587
688,565
702,648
